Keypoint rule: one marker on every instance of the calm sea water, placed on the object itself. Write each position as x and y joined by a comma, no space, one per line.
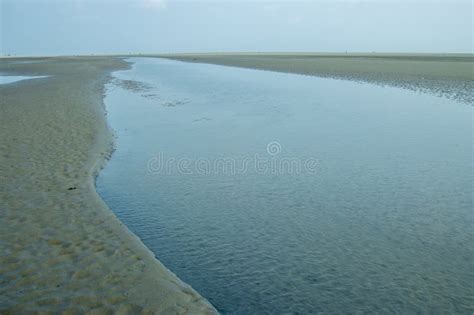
6,79
276,193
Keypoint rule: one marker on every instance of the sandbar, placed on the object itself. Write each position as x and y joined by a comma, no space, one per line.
446,75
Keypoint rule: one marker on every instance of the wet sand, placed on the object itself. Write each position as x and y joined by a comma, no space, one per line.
447,75
63,250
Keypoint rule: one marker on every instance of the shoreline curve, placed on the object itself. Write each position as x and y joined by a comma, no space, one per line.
64,249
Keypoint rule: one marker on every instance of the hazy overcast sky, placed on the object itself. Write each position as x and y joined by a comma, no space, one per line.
85,26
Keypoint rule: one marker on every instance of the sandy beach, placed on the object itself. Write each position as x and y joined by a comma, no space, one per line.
63,250
448,75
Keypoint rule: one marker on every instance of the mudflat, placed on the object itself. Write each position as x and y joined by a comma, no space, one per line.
62,249
448,75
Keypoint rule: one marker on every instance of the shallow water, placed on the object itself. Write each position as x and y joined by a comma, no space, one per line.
5,79
22,62
276,193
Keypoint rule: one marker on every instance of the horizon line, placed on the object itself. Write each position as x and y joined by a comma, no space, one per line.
360,53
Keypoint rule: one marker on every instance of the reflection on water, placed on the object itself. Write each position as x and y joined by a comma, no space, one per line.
14,78
381,222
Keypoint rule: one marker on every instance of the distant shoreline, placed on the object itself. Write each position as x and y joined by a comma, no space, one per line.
449,75
446,75
282,53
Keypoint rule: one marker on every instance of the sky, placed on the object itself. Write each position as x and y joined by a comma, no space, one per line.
67,27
